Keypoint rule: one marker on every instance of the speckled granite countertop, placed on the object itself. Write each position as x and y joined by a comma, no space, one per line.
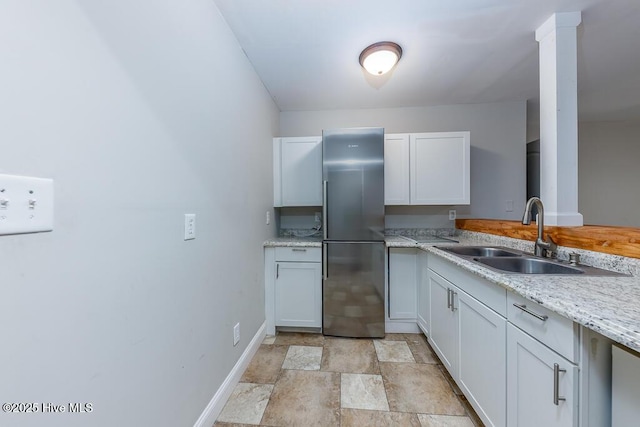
316,242
609,305
307,242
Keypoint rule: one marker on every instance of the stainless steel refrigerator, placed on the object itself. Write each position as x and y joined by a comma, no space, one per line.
353,243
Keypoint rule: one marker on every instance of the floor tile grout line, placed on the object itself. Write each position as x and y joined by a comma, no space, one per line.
385,384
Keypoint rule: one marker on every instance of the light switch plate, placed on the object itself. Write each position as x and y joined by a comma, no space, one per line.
189,226
26,204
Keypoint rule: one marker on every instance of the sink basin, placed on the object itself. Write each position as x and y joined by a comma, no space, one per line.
479,251
525,265
513,261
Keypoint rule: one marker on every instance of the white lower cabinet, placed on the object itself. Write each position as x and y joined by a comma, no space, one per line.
469,337
518,363
542,386
293,287
625,398
298,294
402,284
481,371
423,314
444,322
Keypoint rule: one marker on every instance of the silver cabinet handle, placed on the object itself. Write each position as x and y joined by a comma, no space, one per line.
556,384
524,308
325,262
448,298
299,250
453,300
325,185
277,270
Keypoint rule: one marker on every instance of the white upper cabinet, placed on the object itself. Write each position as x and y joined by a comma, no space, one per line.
427,168
396,169
419,169
440,168
297,171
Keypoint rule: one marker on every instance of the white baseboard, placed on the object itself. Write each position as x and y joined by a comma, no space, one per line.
213,409
397,327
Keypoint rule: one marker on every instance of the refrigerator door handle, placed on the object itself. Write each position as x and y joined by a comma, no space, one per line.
325,261
325,185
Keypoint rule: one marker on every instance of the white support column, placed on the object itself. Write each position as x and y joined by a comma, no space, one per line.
559,119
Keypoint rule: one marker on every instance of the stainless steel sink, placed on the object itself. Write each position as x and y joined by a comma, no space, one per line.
480,251
526,265
513,261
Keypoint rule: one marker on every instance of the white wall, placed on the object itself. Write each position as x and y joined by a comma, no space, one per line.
608,173
498,148
140,112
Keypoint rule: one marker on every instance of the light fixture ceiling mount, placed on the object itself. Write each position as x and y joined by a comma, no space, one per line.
381,57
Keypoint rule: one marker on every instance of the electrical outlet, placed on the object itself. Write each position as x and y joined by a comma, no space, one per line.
236,334
189,226
318,217
509,206
452,214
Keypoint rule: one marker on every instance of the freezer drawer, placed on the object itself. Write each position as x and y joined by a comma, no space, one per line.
353,289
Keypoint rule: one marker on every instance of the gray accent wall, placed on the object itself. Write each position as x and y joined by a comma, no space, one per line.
608,173
498,150
141,112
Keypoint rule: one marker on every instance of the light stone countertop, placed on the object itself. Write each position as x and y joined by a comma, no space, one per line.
316,242
609,305
306,242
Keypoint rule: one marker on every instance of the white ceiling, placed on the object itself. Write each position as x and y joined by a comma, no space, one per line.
455,51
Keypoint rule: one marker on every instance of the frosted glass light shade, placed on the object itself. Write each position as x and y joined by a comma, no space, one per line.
380,57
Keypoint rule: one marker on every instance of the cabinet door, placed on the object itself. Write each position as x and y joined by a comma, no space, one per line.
625,397
301,171
396,169
402,283
530,384
444,322
482,369
440,168
298,294
423,292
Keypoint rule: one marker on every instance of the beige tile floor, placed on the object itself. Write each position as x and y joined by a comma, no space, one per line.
310,380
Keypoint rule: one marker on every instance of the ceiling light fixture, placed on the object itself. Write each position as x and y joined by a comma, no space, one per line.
380,57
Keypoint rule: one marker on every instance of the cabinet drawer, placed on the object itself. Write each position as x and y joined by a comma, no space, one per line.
555,331
490,294
299,254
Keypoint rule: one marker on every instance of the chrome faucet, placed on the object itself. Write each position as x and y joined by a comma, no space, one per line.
545,247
